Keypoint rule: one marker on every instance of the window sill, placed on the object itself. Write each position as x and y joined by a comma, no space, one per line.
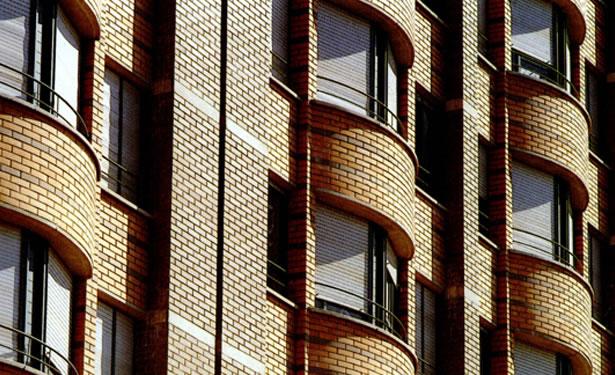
124,202
280,297
484,60
598,160
281,87
430,198
596,323
487,242
423,7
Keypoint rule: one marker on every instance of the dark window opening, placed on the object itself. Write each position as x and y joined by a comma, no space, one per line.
279,39
485,352
483,39
598,276
595,93
426,331
277,240
428,146
483,190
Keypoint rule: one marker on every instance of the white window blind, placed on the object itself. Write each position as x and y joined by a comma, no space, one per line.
532,28
59,286
111,130
66,81
10,266
392,100
533,361
114,342
104,339
341,258
14,37
343,59
279,38
533,211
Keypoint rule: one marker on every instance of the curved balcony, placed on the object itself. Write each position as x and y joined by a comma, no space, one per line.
575,13
394,16
551,307
549,131
48,171
369,348
364,166
86,16
21,353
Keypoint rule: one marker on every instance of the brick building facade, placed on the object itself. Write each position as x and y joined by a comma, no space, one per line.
307,187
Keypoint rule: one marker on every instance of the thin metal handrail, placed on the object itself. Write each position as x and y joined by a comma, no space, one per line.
372,99
386,324
48,350
119,180
81,127
559,246
282,270
561,79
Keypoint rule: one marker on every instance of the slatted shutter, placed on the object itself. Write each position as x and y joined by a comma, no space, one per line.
343,59
131,120
104,339
10,273
124,342
532,28
593,92
111,130
533,211
341,258
392,98
279,38
66,77
597,275
533,361
15,22
59,286
426,329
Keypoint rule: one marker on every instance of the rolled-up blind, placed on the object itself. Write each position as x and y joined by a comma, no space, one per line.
104,339
426,328
10,273
131,121
392,99
59,286
532,28
15,19
343,59
66,78
114,342
124,342
111,130
533,211
533,361
341,259
279,38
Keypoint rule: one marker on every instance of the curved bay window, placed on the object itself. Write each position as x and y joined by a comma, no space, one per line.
542,215
357,270
35,303
356,66
541,46
39,59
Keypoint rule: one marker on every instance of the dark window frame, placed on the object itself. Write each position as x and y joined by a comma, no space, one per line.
484,221
597,143
563,238
598,303
281,61
420,346
428,133
564,366
115,312
277,261
485,351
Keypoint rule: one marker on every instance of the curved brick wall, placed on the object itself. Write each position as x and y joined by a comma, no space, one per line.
395,16
338,345
551,305
357,159
575,11
85,15
548,123
48,180
15,368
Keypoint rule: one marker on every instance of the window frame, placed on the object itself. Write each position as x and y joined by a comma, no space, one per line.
598,302
430,160
111,305
483,202
563,238
420,337
284,61
596,140
279,265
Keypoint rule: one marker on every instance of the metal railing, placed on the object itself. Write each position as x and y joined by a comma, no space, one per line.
124,188
374,108
545,71
483,43
276,276
33,91
556,251
375,312
24,350
425,368
279,67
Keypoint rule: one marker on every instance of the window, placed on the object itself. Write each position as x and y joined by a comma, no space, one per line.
485,352
35,299
426,330
121,136
38,41
534,361
357,271
594,101
436,6
114,342
540,41
356,66
279,40
483,190
542,215
277,233
428,146
598,275
483,40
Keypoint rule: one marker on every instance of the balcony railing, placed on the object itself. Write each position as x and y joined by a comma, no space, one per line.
372,106
277,277
24,349
532,66
374,313
124,180
40,94
555,250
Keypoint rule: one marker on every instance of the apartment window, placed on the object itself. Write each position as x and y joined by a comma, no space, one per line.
483,190
598,275
121,136
428,145
356,66
426,339
277,234
35,303
540,41
483,40
542,214
436,6
357,270
40,50
595,93
114,342
485,352
279,40
530,360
